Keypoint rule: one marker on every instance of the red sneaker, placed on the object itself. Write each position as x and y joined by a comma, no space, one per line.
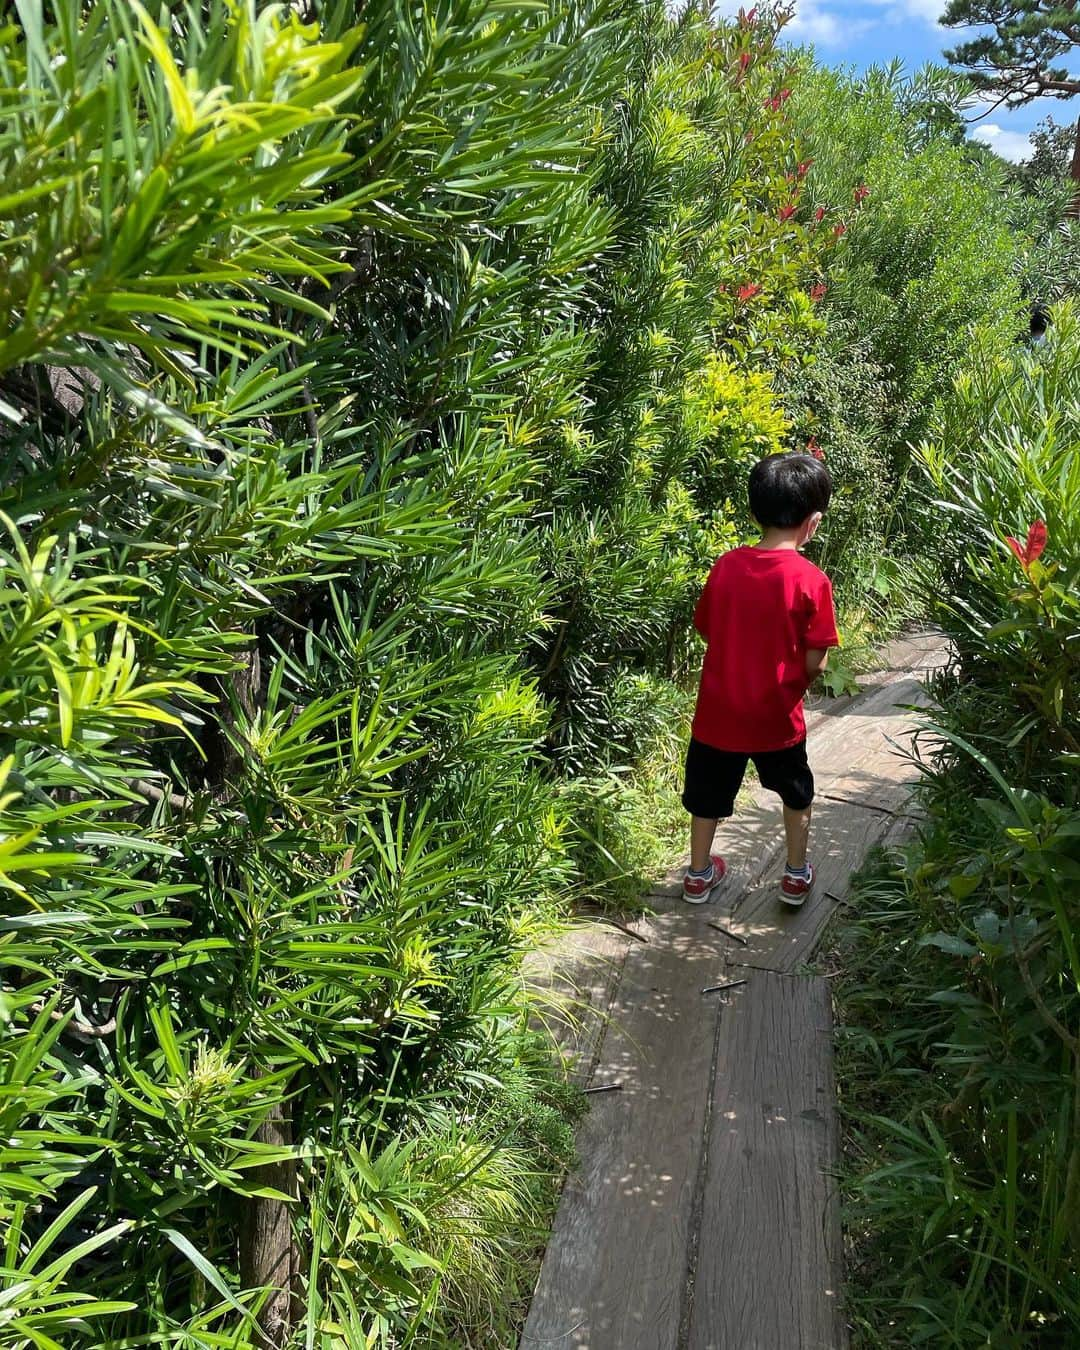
696,890
794,890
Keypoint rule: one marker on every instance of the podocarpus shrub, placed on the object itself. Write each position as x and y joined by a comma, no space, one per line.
962,1037
270,743
361,423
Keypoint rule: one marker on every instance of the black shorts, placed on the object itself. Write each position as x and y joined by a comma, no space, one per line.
713,778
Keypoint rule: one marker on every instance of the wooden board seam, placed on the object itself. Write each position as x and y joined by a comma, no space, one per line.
693,1248
616,969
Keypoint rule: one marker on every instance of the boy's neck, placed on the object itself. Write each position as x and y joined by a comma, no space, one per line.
777,539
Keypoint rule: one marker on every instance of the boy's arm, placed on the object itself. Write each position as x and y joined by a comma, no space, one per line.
821,632
817,658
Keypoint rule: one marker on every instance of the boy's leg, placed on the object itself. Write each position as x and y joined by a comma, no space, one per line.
712,782
702,833
787,772
797,833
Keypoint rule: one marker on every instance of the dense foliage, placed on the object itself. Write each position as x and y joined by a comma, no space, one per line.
961,1051
930,255
372,397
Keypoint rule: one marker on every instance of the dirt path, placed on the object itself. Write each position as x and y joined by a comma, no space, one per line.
703,1215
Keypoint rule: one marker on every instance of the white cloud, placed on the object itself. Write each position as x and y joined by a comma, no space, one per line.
813,22
928,10
838,25
1014,145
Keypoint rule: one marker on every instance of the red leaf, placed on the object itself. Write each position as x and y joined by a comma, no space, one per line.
748,292
817,292
1036,541
786,212
1014,544
862,192
819,214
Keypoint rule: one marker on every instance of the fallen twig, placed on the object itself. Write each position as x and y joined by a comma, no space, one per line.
717,988
605,1087
625,928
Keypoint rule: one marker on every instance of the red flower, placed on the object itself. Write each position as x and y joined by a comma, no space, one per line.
818,292
839,230
1033,549
786,212
814,449
773,104
861,193
804,168
819,214
749,291
744,62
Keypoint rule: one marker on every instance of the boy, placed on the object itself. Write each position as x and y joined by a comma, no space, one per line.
767,616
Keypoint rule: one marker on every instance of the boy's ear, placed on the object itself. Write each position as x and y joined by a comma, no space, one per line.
808,529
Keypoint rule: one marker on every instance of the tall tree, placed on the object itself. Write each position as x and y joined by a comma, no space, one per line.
1019,59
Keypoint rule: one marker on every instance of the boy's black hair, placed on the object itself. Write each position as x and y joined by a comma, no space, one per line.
785,489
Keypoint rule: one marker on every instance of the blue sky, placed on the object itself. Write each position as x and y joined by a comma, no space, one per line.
860,33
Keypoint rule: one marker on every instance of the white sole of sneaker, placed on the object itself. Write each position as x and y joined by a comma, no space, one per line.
794,901
705,896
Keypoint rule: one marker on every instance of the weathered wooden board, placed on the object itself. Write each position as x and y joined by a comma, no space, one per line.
614,1273
572,981
917,652
780,938
870,766
768,1273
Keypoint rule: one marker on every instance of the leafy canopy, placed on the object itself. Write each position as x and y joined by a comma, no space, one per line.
1022,57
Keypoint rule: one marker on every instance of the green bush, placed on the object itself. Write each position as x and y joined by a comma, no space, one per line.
929,257
960,1044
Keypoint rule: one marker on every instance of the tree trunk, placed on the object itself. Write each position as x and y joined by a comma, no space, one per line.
1074,173
246,686
268,1254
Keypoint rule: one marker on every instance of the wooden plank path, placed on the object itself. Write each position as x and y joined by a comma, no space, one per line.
702,1215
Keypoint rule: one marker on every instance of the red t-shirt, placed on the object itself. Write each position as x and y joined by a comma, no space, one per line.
760,612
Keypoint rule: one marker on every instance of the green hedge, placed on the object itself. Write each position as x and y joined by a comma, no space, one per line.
960,1057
